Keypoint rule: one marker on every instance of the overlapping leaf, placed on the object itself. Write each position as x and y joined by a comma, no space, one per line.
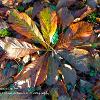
24,25
96,89
16,48
48,22
71,76
62,3
3,24
33,74
63,67
77,58
38,6
81,29
52,70
65,16
77,31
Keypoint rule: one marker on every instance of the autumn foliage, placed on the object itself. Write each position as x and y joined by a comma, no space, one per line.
50,46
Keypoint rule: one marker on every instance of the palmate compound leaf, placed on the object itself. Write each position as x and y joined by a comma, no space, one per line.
15,48
24,25
48,21
33,74
76,33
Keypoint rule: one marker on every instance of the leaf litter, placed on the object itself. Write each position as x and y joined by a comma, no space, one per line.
49,49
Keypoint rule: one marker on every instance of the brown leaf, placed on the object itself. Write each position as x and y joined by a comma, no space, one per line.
62,87
88,11
64,41
62,3
52,70
6,82
76,31
16,48
71,76
92,3
78,58
38,6
96,89
81,29
65,16
33,74
98,20
78,13
3,24
3,11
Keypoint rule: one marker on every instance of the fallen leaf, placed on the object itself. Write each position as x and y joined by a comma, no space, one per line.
92,3
6,82
76,34
85,14
38,6
62,3
33,74
3,11
96,89
48,21
65,16
3,24
71,76
15,48
52,70
24,25
77,58
81,29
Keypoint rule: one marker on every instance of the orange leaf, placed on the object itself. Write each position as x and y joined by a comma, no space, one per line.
81,29
76,31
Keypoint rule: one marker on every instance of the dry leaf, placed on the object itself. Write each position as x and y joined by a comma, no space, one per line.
24,25
92,3
76,31
62,3
81,29
96,89
33,74
71,76
15,48
52,70
38,6
77,58
65,16
85,14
